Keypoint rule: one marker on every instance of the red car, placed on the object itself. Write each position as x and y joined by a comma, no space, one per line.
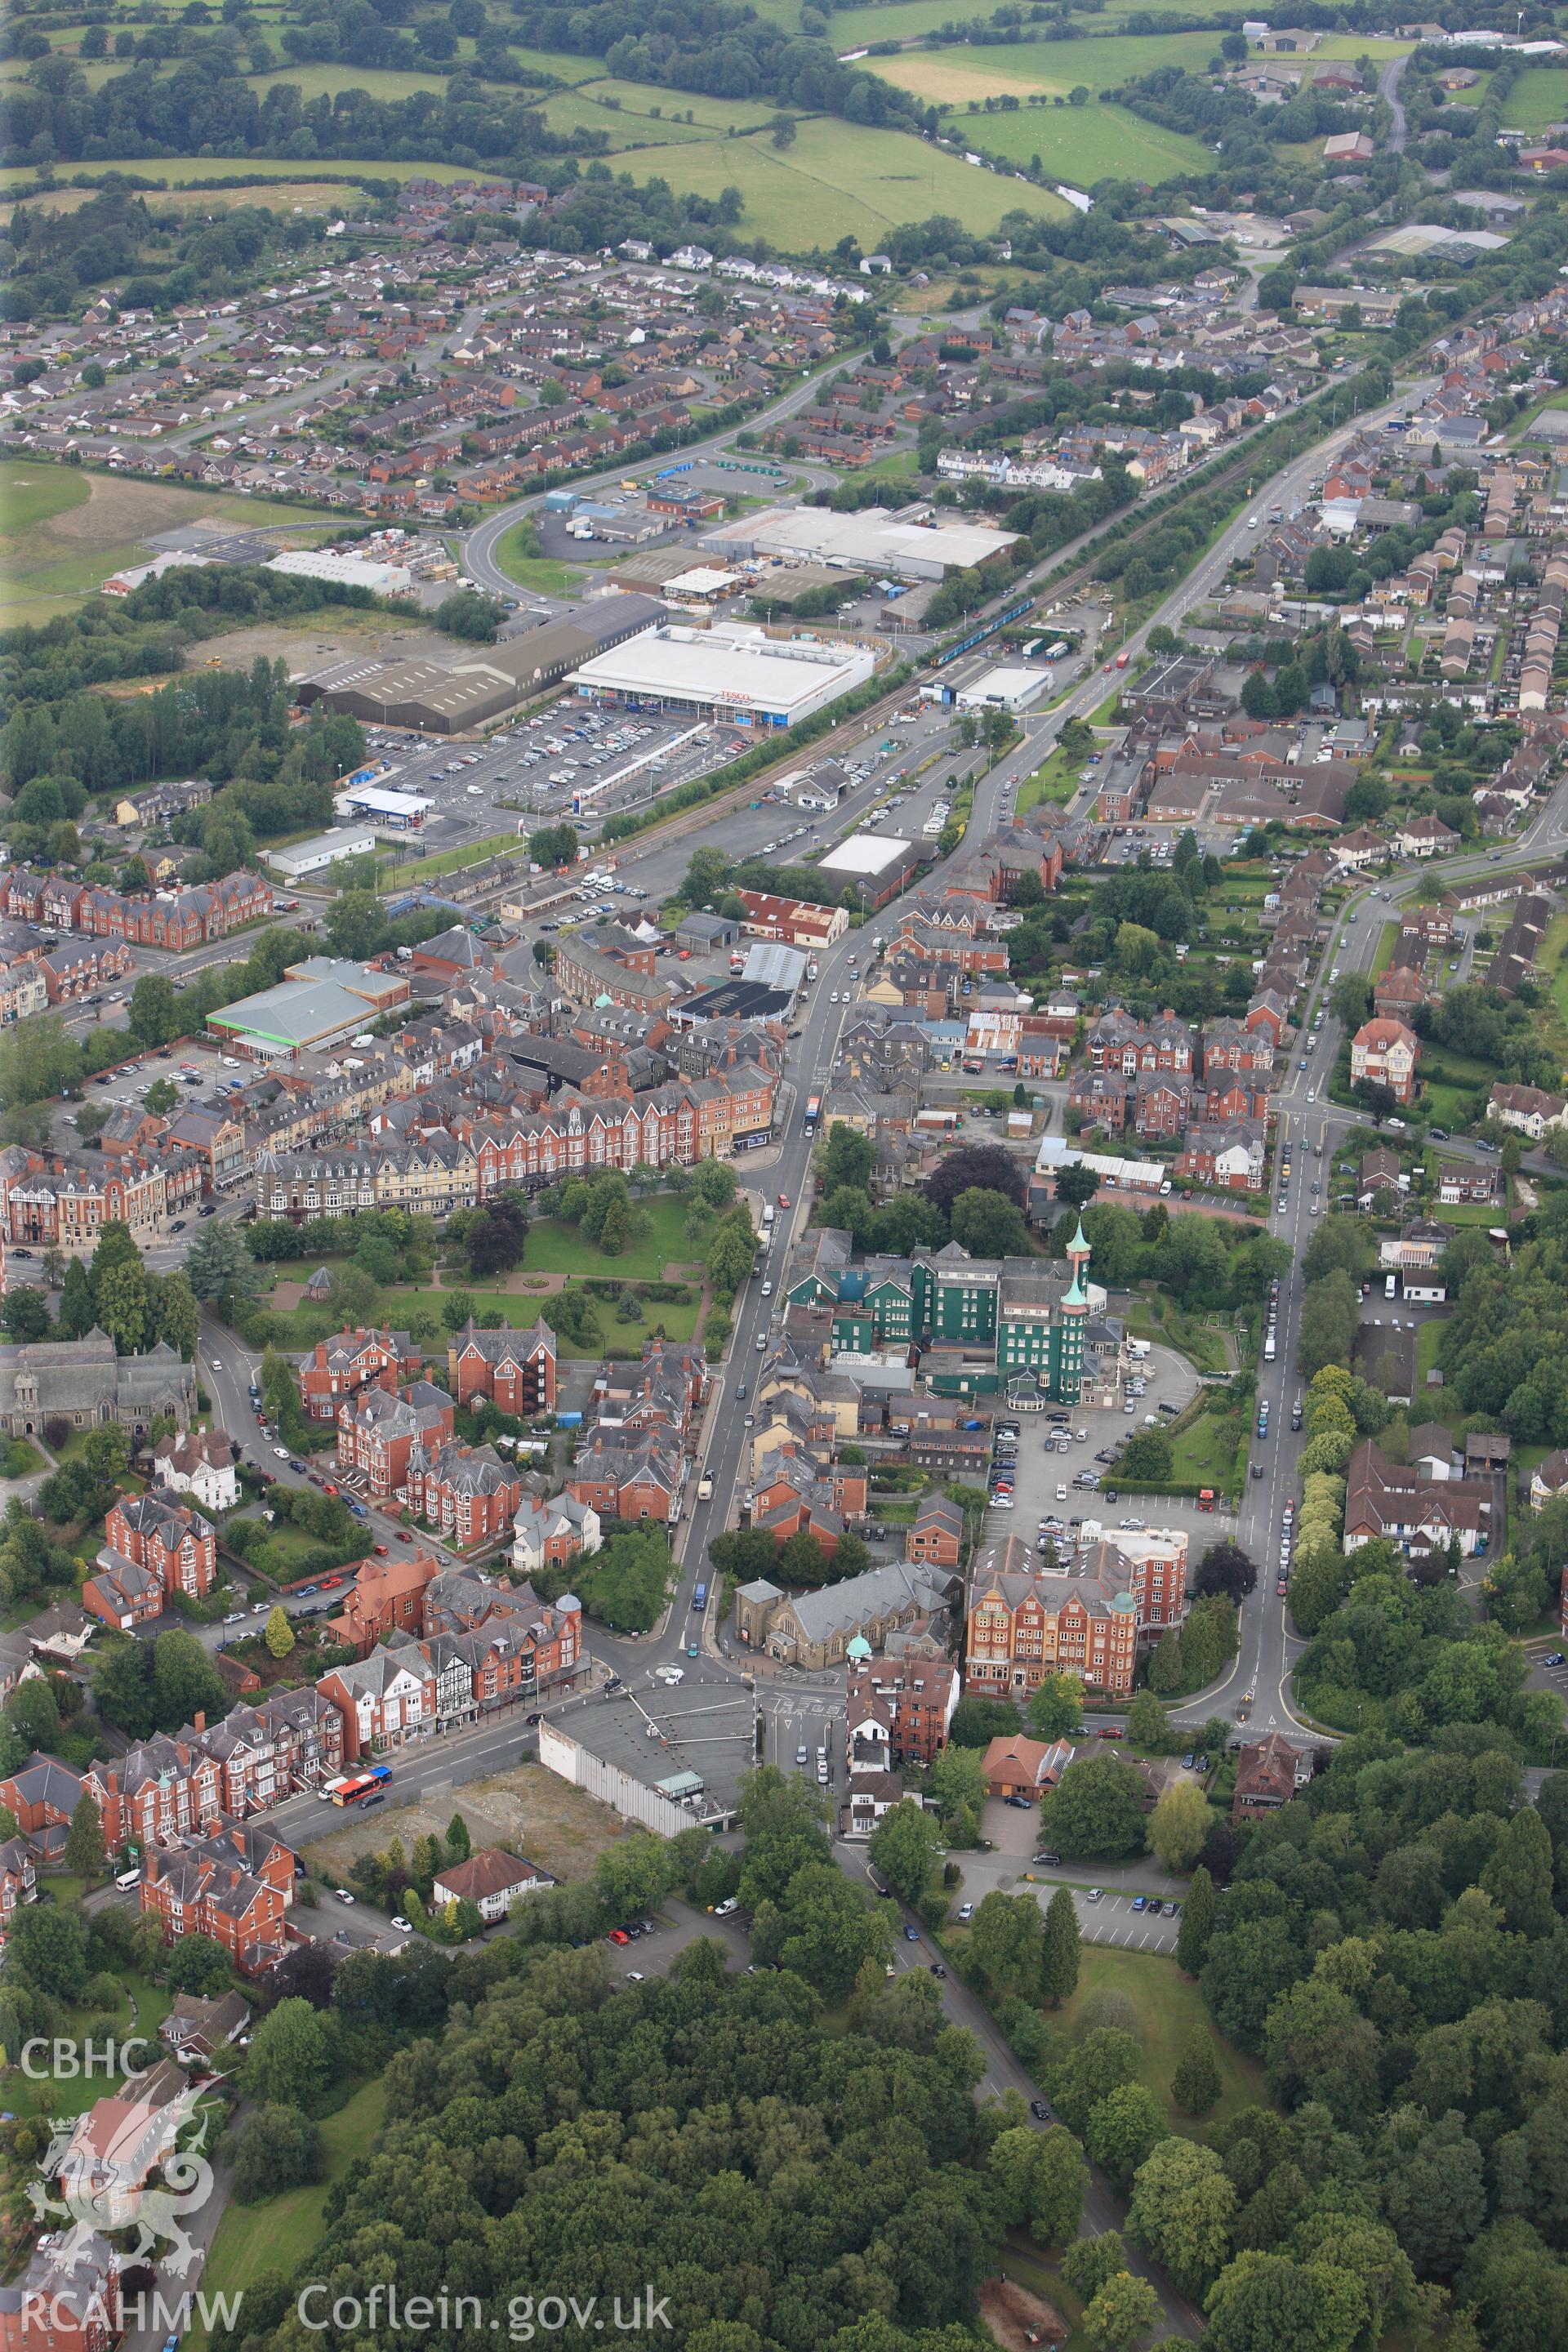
381,1551
1111,1731
403,1535
329,1583
784,1200
328,1489
619,1935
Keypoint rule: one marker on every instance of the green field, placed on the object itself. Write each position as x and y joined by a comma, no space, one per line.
557,1248
1083,143
955,76
1169,2007
544,573
830,184
280,2232
1540,96
179,170
63,531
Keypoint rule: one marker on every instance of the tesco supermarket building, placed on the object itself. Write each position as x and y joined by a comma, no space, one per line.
735,674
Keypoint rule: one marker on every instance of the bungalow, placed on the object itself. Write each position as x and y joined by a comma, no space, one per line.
491,1880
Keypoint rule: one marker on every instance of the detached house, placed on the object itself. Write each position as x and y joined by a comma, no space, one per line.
1384,1053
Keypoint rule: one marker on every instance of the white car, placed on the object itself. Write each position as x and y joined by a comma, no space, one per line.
343,1896
635,1976
280,1452
1061,1494
404,1926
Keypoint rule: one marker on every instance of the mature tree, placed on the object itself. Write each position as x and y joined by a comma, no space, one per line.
199,1964
1182,2211
635,1875
1062,2176
1122,2127
1005,1944
1055,1708
1148,1458
983,1166
844,1157
278,1634
1089,2262
85,1854
220,1269
1225,1568
1195,2086
278,2149
988,1225
291,2056
904,1847
1434,2190
1167,1670
48,1948
1100,2064
1148,1724
1179,1826
32,1713
1125,2308
185,1682
1261,2301
1096,1810
1077,1186
1059,1956
1519,1877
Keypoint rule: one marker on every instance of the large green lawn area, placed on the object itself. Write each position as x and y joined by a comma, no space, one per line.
552,1248
835,181
1540,96
1169,2007
557,1248
1082,143
278,2234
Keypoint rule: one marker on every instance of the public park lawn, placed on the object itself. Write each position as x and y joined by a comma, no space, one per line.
1169,2007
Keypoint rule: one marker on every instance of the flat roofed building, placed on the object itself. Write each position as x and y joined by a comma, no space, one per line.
732,672
324,849
448,700
860,542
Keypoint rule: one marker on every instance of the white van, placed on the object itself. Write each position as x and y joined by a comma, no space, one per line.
129,1878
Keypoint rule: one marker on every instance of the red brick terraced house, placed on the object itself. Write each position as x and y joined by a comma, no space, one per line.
516,1370
467,1492
638,1480
384,1698
379,1436
351,1361
916,1696
236,1886
169,1539
388,1597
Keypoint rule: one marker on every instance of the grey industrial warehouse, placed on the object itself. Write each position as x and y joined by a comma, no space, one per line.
452,698
898,545
731,671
